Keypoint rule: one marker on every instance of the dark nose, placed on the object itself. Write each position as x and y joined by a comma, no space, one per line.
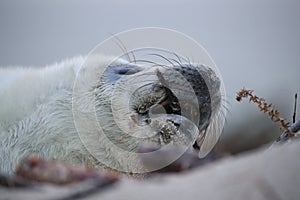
199,82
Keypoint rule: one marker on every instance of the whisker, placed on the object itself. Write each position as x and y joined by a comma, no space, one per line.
177,56
122,47
180,64
152,62
163,57
134,58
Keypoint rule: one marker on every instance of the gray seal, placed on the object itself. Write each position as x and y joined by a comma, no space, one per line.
133,103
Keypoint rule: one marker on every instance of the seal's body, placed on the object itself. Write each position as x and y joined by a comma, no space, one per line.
45,111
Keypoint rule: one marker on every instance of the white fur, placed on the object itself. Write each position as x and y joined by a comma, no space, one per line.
36,114
23,88
50,111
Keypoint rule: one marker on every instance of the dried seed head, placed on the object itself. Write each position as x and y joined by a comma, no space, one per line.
266,108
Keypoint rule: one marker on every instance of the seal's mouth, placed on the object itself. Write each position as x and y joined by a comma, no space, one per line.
163,100
160,109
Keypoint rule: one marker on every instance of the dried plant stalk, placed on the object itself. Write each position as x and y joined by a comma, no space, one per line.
266,108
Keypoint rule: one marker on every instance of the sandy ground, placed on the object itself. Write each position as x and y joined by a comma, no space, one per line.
266,174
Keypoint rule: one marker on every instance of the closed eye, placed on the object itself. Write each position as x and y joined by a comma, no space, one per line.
126,69
114,73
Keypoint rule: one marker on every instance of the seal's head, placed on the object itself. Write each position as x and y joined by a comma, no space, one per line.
164,104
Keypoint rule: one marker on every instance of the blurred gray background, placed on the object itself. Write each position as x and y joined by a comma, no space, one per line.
255,43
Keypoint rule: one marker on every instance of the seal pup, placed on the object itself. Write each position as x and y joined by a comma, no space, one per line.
43,112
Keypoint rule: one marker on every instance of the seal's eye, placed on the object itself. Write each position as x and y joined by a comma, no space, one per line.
114,73
126,70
